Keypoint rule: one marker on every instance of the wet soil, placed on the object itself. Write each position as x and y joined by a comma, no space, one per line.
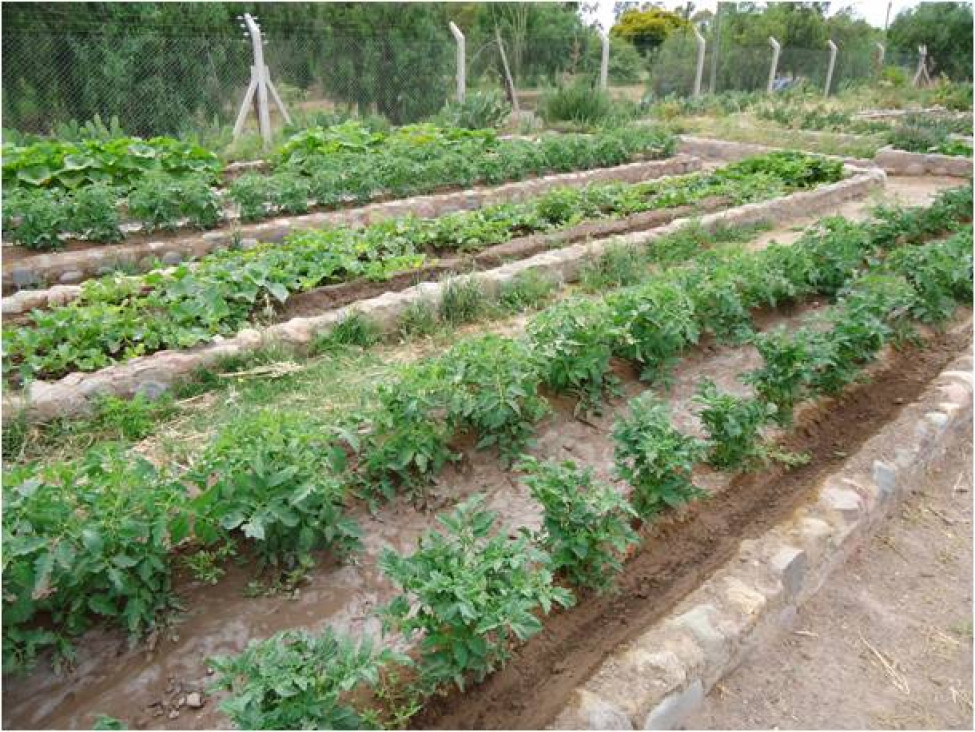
143,686
679,553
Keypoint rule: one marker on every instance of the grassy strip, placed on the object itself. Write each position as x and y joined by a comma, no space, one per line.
88,537
116,319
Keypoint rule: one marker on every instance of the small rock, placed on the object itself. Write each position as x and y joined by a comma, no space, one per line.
174,714
71,277
209,671
172,257
194,700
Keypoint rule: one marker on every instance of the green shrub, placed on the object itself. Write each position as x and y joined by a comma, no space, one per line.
580,103
479,110
733,425
251,194
275,478
471,592
586,524
654,457
94,213
295,680
43,215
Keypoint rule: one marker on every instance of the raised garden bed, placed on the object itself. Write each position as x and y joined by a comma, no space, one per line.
714,298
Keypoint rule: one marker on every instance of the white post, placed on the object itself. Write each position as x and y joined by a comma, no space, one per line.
259,87
604,61
922,66
461,62
832,64
699,72
776,49
512,94
881,52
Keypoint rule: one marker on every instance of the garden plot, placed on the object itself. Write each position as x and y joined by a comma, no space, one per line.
837,254
131,316
58,192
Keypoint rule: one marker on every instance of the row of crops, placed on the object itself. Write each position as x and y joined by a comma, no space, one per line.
97,537
118,318
56,191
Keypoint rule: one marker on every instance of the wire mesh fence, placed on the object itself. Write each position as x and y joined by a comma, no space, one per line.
162,81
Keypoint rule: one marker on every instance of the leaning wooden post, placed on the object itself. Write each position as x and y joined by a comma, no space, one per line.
512,96
604,61
832,64
461,62
776,49
699,73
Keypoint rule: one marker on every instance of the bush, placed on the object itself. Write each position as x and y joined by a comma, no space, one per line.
274,477
586,525
43,215
654,457
94,213
733,424
471,592
479,110
581,104
295,680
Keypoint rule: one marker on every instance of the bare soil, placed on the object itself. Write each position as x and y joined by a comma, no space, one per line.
887,642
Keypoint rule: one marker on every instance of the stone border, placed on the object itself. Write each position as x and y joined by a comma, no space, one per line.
69,268
155,373
656,680
899,162
894,162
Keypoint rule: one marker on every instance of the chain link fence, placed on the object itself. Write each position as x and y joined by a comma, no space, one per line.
188,82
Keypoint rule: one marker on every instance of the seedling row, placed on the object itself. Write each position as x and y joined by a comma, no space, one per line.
118,318
281,485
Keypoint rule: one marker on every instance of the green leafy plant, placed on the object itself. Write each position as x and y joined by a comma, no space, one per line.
733,425
471,592
296,680
792,360
42,217
574,343
90,537
654,457
491,388
277,480
529,290
94,213
586,525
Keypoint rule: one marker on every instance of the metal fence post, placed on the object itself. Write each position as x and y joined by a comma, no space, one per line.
699,75
604,61
832,64
461,62
776,49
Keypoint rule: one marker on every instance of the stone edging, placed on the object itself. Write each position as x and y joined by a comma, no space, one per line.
656,680
894,162
899,162
155,373
70,268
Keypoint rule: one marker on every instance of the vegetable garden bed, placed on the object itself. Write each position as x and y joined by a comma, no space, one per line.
72,392
85,261
442,405
323,168
238,285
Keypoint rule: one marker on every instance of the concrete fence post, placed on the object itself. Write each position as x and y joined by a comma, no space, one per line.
604,61
461,62
699,73
776,49
832,64
260,86
922,75
881,52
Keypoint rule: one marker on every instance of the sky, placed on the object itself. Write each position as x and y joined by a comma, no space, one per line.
873,11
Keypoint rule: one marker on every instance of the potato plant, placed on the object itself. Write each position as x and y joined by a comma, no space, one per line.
654,457
734,425
471,593
586,525
297,680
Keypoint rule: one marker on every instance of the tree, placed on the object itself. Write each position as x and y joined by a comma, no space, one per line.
648,29
946,29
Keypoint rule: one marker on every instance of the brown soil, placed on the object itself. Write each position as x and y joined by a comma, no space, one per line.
906,593
321,299
534,687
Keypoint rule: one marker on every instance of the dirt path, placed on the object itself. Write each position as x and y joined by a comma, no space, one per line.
906,595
